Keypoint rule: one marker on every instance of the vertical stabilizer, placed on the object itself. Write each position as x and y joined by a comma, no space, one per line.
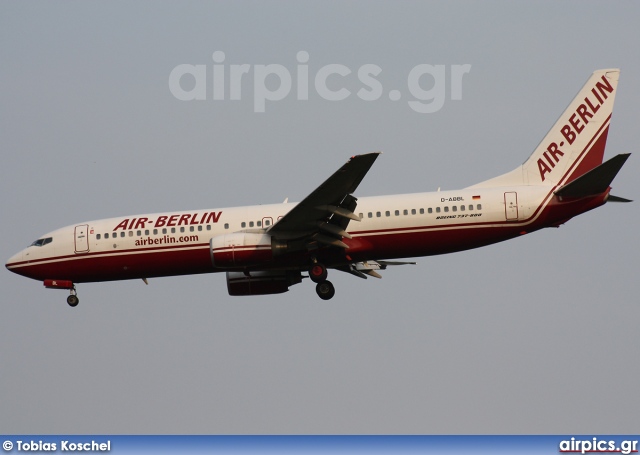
576,143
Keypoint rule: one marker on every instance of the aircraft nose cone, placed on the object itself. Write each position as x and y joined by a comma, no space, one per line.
13,259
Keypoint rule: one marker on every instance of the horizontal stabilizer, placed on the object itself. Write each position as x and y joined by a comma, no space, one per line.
596,181
613,198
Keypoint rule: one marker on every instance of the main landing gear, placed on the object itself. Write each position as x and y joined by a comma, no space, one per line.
318,274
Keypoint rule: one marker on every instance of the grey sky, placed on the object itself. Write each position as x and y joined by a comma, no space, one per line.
534,335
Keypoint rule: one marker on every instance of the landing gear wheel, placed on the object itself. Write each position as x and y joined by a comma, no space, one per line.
318,273
325,290
73,300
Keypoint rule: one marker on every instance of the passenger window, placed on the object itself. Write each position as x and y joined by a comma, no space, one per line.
250,223
146,232
360,215
479,206
446,208
226,225
191,228
173,230
430,210
268,222
378,214
130,233
182,229
164,230
413,211
470,207
421,211
97,236
462,208
200,227
397,212
370,215
243,224
437,209
454,208
106,236
405,212
387,213
259,223
208,227
155,232
139,233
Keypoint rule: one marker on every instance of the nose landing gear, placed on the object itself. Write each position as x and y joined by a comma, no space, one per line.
73,299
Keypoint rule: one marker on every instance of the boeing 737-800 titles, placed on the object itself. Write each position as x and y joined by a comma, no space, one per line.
265,249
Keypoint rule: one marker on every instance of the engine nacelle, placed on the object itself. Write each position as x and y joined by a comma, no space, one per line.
240,249
262,282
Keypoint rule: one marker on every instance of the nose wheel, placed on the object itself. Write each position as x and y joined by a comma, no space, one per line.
73,299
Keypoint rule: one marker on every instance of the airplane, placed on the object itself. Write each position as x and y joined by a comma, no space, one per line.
266,249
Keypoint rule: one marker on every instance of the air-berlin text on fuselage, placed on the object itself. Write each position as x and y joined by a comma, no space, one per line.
575,125
180,219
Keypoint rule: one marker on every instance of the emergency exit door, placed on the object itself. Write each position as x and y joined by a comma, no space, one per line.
511,205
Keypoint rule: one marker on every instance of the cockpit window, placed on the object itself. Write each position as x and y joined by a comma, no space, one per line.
42,242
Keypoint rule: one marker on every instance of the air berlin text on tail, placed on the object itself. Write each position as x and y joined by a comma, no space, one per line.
574,127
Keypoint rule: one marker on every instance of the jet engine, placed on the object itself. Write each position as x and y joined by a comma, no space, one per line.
241,249
261,282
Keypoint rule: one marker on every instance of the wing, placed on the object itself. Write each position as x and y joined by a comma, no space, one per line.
324,214
362,269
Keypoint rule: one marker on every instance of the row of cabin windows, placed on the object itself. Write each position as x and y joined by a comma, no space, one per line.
445,209
267,222
251,224
138,233
199,228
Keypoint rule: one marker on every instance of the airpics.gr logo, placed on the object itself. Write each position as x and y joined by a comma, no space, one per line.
274,82
595,445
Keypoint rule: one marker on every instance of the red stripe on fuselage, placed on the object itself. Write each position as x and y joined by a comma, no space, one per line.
121,266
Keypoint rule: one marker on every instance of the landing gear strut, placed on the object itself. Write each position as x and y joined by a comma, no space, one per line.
73,299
